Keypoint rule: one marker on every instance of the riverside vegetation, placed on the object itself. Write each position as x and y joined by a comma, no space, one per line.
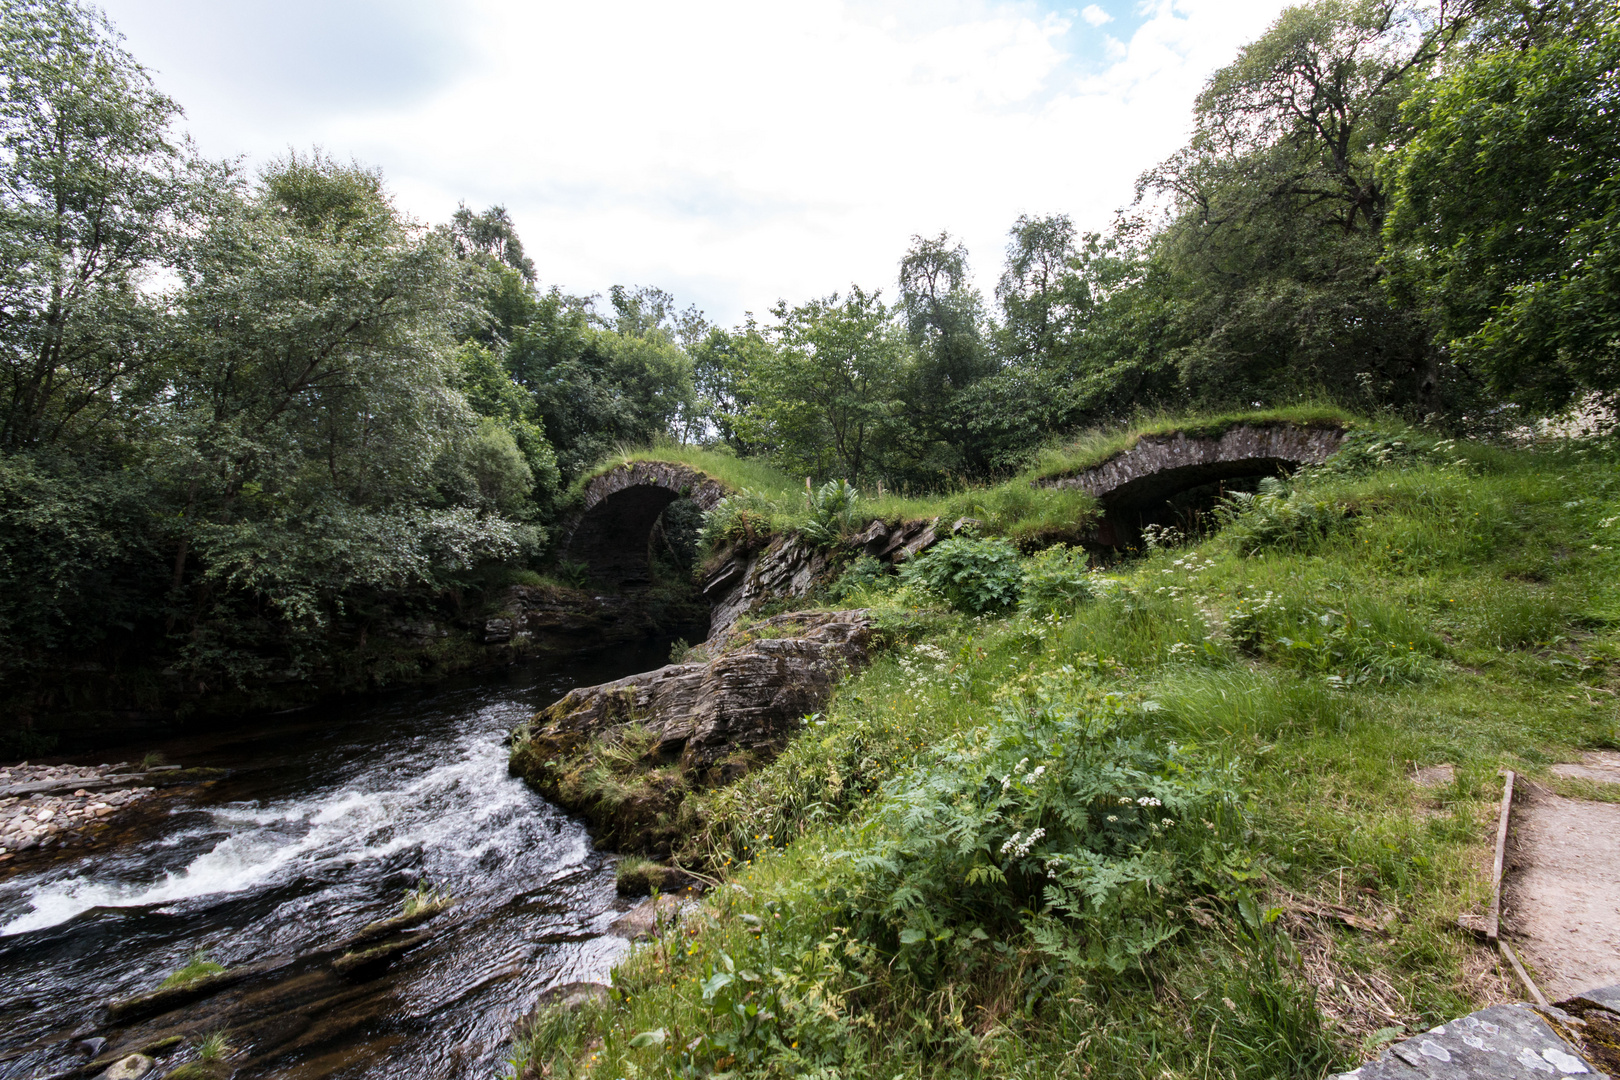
1157,819
263,436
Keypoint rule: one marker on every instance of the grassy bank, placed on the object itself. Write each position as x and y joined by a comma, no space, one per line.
1173,830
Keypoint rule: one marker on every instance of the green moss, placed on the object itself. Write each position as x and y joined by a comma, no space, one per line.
198,967
636,876
616,781
199,1070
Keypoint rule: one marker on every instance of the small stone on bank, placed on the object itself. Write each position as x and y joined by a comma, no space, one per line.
132,1067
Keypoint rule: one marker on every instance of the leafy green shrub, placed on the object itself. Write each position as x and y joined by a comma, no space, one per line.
1056,818
1056,580
832,513
975,576
864,575
743,517
1275,518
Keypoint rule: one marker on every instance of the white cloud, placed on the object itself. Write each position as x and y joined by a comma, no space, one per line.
1095,15
736,152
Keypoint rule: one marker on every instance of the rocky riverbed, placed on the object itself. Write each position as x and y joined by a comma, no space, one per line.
44,806
278,842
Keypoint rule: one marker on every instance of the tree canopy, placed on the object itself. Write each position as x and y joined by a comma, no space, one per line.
1507,213
239,412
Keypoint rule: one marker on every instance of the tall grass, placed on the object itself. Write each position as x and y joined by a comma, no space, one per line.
1465,613
198,967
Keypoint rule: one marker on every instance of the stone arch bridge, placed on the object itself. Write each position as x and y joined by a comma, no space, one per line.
613,529
1135,485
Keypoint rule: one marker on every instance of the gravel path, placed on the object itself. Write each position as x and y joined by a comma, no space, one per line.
1561,902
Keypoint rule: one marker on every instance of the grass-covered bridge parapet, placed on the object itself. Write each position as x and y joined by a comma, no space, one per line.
1159,466
613,527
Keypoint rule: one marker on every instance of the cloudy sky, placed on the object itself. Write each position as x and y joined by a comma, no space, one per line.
732,153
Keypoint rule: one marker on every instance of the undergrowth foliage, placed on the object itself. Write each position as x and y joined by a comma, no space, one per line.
865,574
1059,817
743,517
975,576
1115,818
832,513
1055,580
1275,518
1376,646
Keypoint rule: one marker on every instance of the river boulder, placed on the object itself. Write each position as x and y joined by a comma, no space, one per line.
625,754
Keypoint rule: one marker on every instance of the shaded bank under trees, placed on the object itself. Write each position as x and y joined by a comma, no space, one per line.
244,417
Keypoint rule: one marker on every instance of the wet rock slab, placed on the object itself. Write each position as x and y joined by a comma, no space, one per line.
1503,1042
643,921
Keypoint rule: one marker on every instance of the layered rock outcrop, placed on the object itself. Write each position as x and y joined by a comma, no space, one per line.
789,567
746,699
625,754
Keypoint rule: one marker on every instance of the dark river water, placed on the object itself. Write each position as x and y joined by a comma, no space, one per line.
325,818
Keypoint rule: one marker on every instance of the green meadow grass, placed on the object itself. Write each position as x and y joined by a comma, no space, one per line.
1462,610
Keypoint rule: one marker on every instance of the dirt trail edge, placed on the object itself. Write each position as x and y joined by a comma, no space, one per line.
1561,897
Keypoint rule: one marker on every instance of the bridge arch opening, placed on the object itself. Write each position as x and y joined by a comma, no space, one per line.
1184,503
615,537
636,515
1171,479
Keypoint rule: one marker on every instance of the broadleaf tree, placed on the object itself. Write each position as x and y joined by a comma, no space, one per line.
825,394
94,186
1506,221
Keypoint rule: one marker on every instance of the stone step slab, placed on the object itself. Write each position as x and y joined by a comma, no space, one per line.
1502,1042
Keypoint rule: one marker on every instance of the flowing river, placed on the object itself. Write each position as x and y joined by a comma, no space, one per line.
325,818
